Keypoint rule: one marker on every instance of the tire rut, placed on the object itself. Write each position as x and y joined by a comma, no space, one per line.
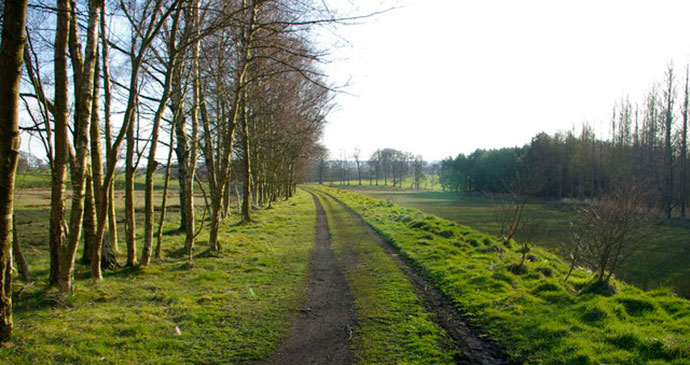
469,340
322,331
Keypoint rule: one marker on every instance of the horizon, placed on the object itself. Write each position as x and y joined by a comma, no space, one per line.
496,73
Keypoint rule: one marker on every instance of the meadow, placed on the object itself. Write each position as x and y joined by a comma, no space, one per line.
662,261
536,316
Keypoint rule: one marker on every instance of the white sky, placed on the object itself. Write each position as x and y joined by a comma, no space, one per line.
441,77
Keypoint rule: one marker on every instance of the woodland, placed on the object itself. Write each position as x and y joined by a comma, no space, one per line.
231,89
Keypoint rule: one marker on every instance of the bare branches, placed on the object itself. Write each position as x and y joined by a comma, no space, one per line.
612,228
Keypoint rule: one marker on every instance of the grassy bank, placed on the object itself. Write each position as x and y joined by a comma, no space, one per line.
662,261
536,316
231,308
392,326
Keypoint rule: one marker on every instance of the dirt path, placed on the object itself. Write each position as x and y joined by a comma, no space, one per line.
474,348
322,332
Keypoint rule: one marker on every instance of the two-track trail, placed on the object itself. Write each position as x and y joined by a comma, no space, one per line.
473,347
322,331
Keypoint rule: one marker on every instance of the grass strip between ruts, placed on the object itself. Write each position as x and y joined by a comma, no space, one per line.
392,326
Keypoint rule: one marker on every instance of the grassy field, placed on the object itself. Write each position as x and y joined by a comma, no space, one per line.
392,327
663,261
41,180
536,316
233,307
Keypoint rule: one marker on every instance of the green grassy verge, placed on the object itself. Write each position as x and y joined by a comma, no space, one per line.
231,308
662,261
536,317
392,327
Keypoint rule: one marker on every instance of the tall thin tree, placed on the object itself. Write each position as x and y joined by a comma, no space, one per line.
11,58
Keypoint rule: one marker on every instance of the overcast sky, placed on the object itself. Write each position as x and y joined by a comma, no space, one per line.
442,77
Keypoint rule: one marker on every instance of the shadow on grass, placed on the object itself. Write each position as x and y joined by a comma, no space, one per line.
43,296
597,287
173,232
208,253
123,272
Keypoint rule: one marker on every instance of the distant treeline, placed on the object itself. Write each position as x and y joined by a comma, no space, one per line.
385,166
647,147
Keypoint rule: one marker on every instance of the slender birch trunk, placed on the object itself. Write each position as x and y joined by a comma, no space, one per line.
11,57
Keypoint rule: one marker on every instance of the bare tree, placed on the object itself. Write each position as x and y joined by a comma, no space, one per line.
613,227
418,167
84,67
669,99
152,165
11,57
356,155
509,210
684,145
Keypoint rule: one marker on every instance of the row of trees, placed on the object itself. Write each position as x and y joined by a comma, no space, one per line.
233,84
647,147
383,166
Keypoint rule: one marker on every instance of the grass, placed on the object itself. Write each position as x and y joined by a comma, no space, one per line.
232,308
663,261
41,179
392,326
429,183
536,317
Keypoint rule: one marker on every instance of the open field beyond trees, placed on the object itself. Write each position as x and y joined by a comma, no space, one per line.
536,316
662,261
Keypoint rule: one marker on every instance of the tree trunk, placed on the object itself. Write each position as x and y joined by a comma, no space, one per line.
89,223
159,234
181,149
130,228
684,147
17,254
110,198
193,18
112,219
246,165
668,147
83,120
151,167
94,195
226,199
11,56
215,223
59,168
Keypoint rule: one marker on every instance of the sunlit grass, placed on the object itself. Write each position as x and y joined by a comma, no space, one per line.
663,261
230,308
392,327
536,317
